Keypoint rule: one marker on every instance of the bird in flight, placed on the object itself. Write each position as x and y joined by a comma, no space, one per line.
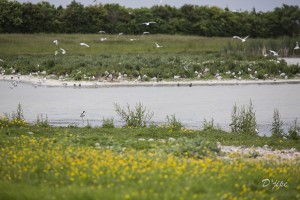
63,51
148,23
274,53
157,45
242,39
55,42
84,44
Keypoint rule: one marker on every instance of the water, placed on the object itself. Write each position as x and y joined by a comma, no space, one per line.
191,105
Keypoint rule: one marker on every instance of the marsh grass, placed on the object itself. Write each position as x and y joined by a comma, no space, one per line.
28,53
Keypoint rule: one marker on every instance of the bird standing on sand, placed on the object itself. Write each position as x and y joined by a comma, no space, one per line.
242,39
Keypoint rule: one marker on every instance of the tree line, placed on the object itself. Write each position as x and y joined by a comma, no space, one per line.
43,17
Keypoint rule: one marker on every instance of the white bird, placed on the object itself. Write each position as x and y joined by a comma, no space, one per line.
297,46
256,130
1,60
274,53
120,34
148,23
55,53
55,42
145,33
242,39
102,32
157,45
103,39
63,51
84,44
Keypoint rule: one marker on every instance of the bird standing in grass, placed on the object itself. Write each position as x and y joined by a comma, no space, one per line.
157,45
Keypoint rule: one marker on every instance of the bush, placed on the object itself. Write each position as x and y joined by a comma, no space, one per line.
108,123
294,131
173,123
209,125
277,130
41,121
138,117
244,120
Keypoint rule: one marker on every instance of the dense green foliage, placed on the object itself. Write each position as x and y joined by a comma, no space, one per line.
113,18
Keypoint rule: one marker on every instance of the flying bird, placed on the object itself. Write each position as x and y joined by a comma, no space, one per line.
63,51
55,42
297,46
274,53
242,39
148,23
84,44
157,45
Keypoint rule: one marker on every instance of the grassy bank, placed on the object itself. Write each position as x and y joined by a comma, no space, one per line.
118,55
138,163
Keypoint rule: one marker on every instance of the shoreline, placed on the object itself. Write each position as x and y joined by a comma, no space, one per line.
42,81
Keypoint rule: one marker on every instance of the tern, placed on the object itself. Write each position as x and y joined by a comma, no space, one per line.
63,51
82,114
157,45
148,23
274,53
84,44
242,39
55,42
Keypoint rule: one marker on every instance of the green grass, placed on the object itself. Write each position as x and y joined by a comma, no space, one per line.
28,53
64,163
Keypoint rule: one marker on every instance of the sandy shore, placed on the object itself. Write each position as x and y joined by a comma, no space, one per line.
43,81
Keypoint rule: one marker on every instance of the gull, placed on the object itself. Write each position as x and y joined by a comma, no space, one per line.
63,51
55,53
103,39
102,32
148,23
84,44
242,39
157,45
297,46
131,39
120,34
274,53
55,42
1,60
144,33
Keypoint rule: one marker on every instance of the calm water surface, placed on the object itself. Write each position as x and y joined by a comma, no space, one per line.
191,105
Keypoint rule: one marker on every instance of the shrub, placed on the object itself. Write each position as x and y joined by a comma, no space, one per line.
173,123
209,125
294,131
137,117
244,120
41,121
277,130
108,123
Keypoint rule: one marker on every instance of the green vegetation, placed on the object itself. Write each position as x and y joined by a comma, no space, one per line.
277,130
118,58
45,162
113,19
244,120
